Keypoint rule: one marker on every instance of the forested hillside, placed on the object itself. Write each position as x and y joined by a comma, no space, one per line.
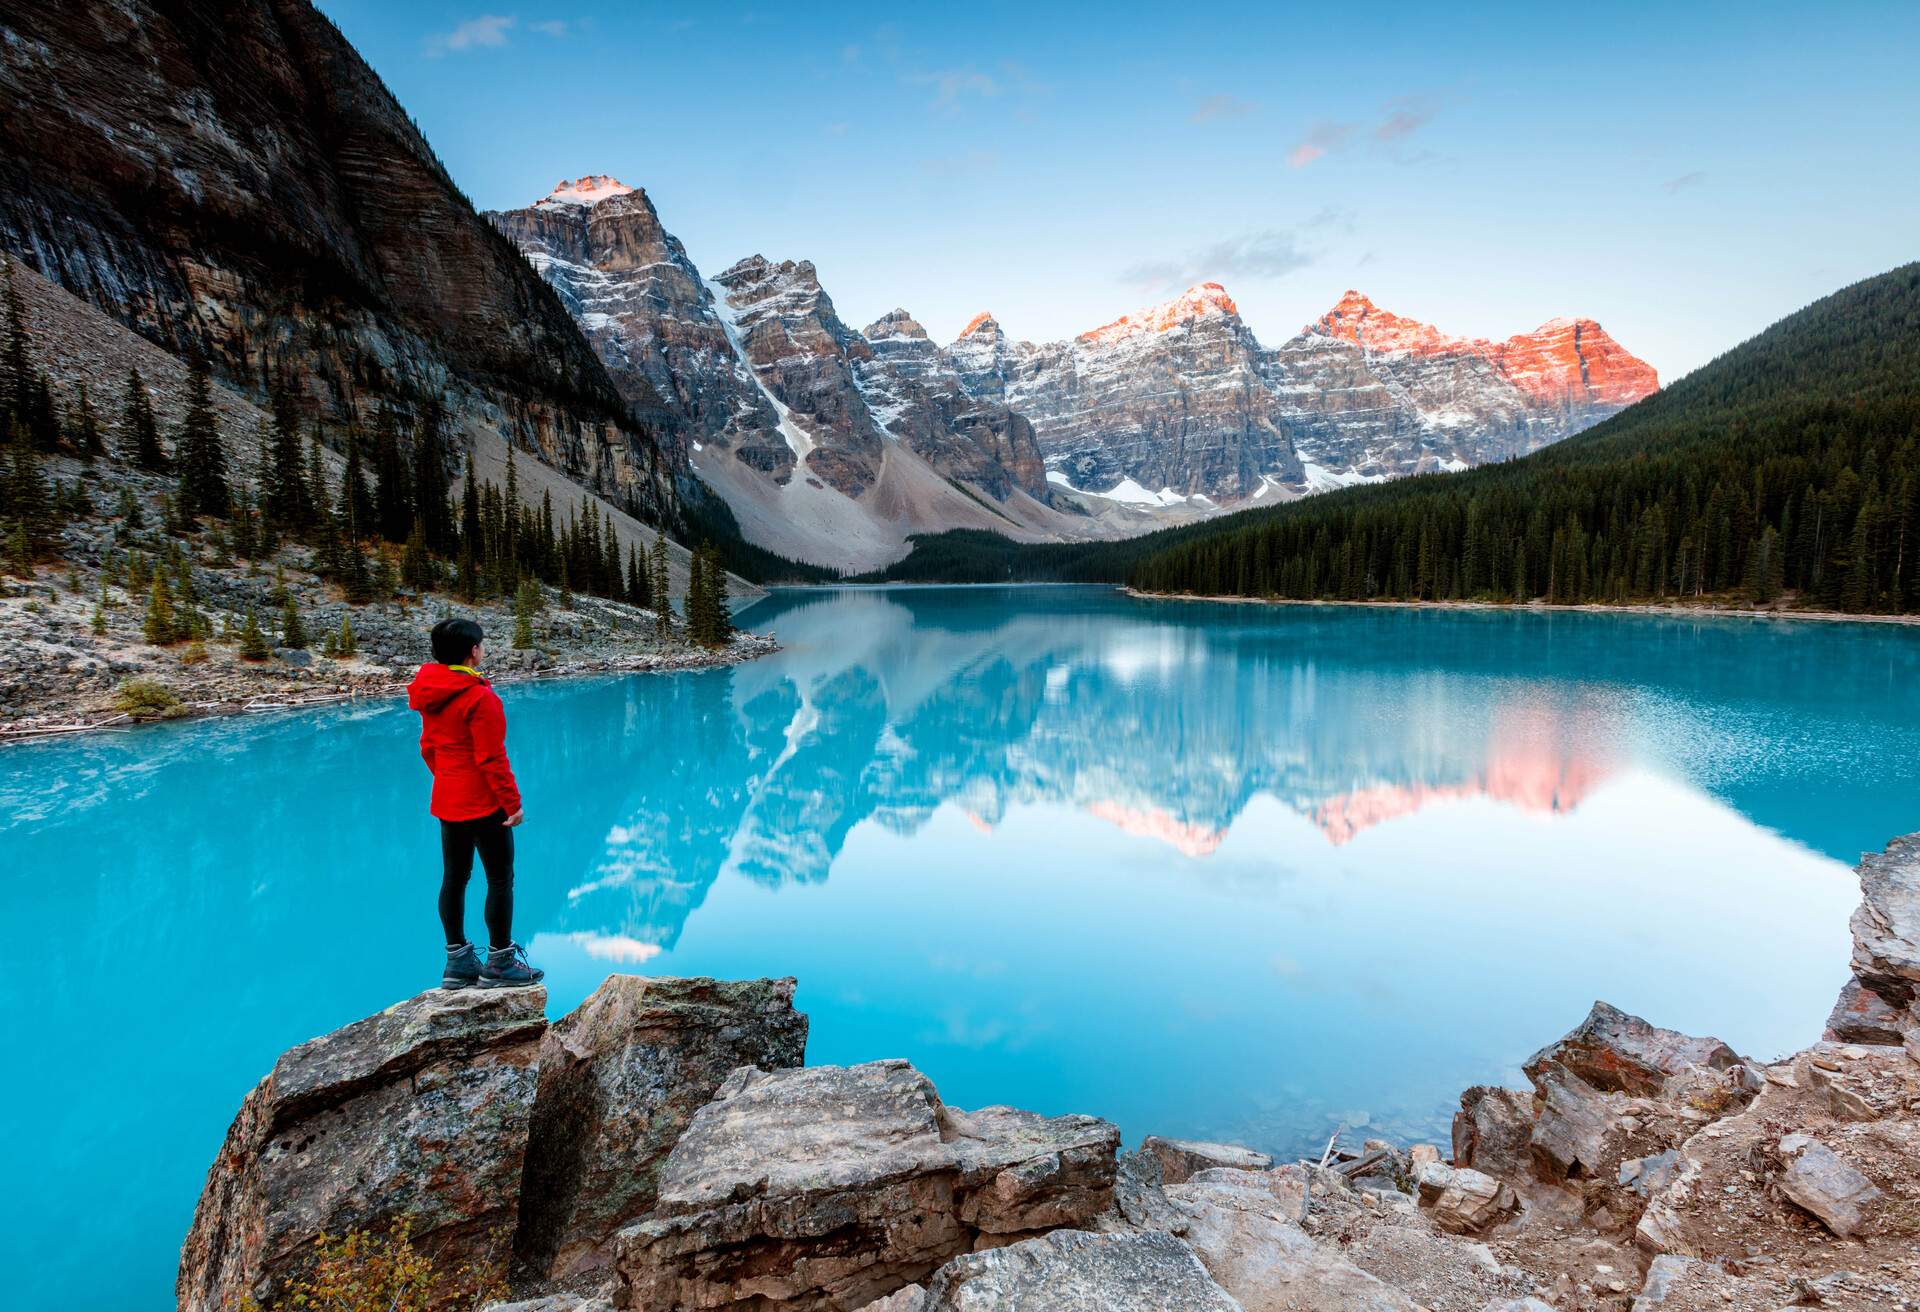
1785,468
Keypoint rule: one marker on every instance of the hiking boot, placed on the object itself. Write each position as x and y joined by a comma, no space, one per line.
463,967
508,968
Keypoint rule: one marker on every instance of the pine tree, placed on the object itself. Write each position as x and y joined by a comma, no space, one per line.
385,580
19,551
510,543
328,535
29,502
722,613
285,492
43,415
699,617
160,627
355,579
432,510
662,598
16,357
416,564
612,585
639,593
392,497
253,643
139,433
292,632
525,603
317,494
203,460
359,514
100,611
470,512
83,428
246,543
345,644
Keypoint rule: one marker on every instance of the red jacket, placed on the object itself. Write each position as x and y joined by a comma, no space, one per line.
463,739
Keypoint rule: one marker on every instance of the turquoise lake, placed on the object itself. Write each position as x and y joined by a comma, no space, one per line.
1218,871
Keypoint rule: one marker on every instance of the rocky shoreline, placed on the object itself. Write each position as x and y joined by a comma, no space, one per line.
664,1146
71,638
1529,607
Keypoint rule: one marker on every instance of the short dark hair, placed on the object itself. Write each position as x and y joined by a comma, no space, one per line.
454,640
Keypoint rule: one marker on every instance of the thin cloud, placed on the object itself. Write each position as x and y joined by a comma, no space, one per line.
1684,181
553,27
1252,256
1405,117
1401,119
952,85
1214,108
1321,138
488,30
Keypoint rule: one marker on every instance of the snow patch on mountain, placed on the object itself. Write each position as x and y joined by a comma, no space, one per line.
587,191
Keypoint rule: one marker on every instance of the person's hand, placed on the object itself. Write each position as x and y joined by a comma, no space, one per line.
516,818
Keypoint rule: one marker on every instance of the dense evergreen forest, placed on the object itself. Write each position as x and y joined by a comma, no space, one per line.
1784,472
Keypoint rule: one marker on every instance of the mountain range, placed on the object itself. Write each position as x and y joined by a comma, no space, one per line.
834,446
235,183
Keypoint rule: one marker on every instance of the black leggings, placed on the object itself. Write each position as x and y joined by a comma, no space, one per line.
458,840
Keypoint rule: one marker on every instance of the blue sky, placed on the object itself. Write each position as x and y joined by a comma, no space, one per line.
1683,174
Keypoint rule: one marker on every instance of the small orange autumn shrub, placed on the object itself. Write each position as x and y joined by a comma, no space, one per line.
364,1272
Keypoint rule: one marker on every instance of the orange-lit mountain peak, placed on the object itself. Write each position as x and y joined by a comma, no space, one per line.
1197,302
1358,320
979,320
1573,359
1563,361
587,191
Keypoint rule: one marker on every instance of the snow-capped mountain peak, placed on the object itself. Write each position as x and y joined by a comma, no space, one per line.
1197,302
585,191
984,319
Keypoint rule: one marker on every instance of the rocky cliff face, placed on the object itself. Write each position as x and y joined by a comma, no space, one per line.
232,179
916,394
806,358
636,295
829,444
1168,398
1180,399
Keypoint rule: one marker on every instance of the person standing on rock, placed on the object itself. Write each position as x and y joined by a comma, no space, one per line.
463,739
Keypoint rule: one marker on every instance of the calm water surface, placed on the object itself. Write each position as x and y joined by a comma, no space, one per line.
1217,871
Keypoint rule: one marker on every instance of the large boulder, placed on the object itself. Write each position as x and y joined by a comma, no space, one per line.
420,1112
1180,1159
1255,1252
1462,1200
1074,1271
1862,1016
620,1078
1493,1131
1580,1130
1886,925
1826,1186
833,1186
1613,1051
